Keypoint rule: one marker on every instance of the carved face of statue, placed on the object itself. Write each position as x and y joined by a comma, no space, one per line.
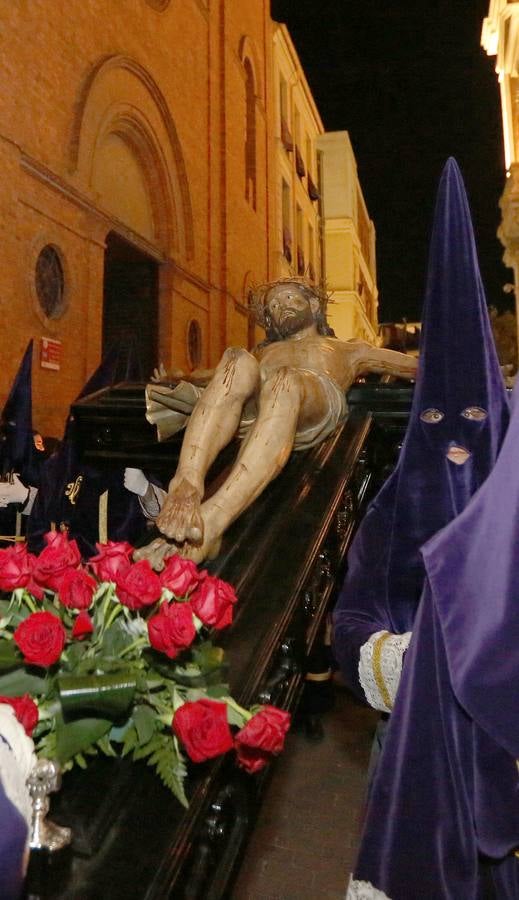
290,309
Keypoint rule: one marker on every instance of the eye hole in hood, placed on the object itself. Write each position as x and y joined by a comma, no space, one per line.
432,416
474,413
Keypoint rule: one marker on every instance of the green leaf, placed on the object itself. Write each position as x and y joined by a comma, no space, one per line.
147,749
18,682
170,766
10,656
76,737
75,653
105,746
105,695
208,656
130,741
116,639
217,691
144,720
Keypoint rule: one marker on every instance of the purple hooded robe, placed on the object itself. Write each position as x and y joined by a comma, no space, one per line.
459,401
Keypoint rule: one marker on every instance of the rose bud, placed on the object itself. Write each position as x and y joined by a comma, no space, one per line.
213,601
138,586
41,638
83,626
203,729
77,589
180,575
172,629
112,559
25,711
262,737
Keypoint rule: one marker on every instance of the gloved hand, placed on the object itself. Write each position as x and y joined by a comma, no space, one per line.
135,481
13,492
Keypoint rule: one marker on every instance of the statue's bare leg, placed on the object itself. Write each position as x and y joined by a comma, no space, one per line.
286,403
213,423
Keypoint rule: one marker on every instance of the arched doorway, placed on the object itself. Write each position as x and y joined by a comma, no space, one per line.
130,305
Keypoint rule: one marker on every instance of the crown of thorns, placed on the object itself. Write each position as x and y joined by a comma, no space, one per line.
258,295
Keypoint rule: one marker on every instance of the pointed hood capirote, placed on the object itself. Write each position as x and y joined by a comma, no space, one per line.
458,418
16,418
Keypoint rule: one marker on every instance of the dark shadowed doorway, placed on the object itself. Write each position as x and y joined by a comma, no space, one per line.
130,308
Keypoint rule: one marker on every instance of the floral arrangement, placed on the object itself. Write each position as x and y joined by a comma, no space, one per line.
111,657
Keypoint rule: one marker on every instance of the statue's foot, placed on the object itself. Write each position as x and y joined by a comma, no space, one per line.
180,518
200,552
156,552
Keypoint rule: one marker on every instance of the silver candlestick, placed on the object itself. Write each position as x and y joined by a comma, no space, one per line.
45,779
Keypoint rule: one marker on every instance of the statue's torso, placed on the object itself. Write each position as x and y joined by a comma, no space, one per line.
323,355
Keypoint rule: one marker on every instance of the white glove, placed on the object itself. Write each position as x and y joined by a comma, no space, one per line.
15,492
135,481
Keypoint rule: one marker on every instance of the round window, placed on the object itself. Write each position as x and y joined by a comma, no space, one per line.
194,343
50,283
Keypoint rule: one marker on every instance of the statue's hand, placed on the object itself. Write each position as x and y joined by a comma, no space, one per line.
159,373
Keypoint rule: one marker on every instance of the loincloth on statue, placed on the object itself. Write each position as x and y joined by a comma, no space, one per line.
168,407
306,437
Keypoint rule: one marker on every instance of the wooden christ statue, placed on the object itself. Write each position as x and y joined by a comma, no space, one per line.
287,394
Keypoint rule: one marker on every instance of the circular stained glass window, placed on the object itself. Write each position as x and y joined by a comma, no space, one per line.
194,343
50,282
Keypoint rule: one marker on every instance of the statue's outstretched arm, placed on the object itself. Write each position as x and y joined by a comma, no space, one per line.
384,362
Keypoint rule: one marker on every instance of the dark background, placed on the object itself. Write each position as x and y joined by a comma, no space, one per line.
411,84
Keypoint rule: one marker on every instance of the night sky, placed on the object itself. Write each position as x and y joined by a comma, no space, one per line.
410,83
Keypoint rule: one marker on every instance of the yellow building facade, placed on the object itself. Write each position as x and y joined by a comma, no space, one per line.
349,242
134,141
148,183
500,38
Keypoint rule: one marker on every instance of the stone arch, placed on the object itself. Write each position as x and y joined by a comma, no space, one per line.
247,51
120,102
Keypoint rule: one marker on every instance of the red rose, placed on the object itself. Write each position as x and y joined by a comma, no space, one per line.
172,629
41,638
139,586
180,575
112,559
82,626
25,711
76,589
262,736
59,555
15,567
212,602
203,729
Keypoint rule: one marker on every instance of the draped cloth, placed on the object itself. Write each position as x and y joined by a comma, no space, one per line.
459,399
444,805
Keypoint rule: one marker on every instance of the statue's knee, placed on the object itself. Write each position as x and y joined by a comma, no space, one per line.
239,368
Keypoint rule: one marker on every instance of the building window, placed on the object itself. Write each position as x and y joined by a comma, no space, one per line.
309,154
50,282
286,225
286,136
311,254
300,245
300,166
194,343
250,135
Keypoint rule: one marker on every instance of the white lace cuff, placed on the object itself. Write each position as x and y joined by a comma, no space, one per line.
364,890
380,667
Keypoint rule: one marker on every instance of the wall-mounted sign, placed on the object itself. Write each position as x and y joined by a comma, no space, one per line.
50,354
